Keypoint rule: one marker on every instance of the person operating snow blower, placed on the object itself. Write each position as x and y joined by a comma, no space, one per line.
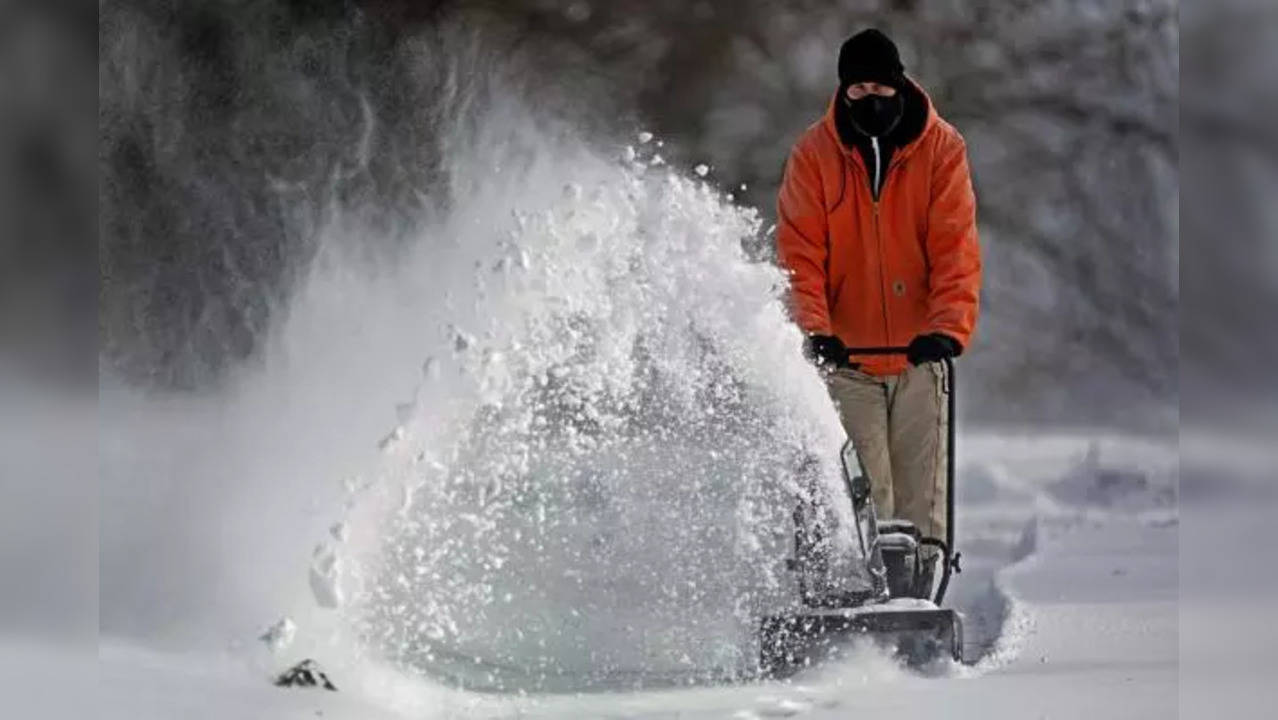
877,226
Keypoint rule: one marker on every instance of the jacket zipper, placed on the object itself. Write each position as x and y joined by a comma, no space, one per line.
878,169
878,237
875,192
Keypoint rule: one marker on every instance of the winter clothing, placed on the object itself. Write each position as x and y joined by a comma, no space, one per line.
827,350
877,152
898,427
877,226
870,56
932,347
873,115
880,269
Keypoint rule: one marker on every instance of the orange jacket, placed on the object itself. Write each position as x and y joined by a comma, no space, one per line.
878,274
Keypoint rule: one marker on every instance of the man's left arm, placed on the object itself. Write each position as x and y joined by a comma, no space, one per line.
953,251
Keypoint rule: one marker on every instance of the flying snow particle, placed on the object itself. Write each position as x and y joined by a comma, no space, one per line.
628,153
339,532
657,160
430,368
324,576
280,635
388,443
461,341
645,137
351,485
407,492
404,411
702,170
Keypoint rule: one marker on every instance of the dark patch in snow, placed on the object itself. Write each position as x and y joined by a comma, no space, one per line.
305,674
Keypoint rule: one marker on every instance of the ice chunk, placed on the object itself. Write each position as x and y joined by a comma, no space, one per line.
702,170
280,635
461,340
392,439
352,484
430,368
324,579
645,137
407,493
339,531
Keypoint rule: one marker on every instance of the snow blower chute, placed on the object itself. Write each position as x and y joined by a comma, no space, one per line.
898,607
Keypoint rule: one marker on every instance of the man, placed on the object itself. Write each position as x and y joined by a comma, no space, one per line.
877,226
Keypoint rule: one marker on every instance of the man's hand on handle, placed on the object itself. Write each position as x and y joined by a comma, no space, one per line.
932,347
827,351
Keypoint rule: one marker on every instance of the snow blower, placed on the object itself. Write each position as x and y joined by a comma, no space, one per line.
897,607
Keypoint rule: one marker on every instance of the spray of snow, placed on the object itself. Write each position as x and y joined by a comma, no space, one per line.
586,480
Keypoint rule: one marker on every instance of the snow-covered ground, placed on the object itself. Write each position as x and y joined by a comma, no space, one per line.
1070,590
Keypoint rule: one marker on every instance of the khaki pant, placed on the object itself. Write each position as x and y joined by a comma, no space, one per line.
898,424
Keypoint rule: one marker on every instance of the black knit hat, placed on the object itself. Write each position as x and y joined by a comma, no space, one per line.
870,56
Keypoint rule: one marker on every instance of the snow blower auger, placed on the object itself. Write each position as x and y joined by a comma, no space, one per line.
896,607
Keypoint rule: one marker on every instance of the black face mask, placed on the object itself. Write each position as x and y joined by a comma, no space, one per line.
875,115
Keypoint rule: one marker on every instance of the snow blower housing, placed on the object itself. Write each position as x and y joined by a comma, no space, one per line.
899,608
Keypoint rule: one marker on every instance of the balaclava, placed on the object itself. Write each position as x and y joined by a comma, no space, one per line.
870,56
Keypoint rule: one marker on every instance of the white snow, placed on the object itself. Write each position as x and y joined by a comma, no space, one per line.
1090,631
325,578
590,493
280,635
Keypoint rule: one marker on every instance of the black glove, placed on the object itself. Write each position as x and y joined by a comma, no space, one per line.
931,348
827,351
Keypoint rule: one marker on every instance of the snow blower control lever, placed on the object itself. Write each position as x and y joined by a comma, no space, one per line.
946,545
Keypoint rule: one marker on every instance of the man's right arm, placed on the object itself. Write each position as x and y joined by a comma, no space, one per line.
802,244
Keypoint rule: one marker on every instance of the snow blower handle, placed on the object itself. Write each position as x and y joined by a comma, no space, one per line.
946,546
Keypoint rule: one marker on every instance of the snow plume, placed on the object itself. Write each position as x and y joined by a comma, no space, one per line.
546,435
589,478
